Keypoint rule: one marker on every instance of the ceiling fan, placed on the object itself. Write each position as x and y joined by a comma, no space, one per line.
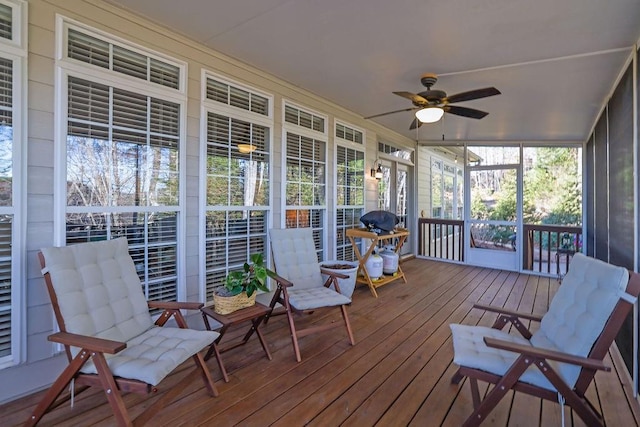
430,104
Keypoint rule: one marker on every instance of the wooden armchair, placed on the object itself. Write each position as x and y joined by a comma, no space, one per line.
300,287
559,361
108,334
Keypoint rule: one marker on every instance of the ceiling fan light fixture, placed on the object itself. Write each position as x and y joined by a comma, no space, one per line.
246,148
429,114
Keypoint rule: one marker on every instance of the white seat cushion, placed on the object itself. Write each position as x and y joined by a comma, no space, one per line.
308,299
100,295
155,353
99,292
471,351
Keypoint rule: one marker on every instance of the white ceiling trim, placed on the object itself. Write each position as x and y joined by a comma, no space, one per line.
540,61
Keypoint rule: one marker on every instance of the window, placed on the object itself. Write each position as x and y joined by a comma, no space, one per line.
13,56
350,169
394,151
436,188
305,185
447,185
349,134
102,53
237,170
123,155
304,119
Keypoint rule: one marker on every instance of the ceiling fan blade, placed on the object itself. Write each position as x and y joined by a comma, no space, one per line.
472,94
464,111
416,99
391,112
415,124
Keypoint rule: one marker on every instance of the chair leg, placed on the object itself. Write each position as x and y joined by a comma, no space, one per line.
457,377
582,406
475,392
57,387
498,392
347,324
294,335
289,312
111,390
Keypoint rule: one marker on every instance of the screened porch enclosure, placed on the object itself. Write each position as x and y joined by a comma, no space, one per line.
520,200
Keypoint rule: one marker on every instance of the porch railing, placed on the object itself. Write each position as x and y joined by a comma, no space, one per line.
441,238
549,248
545,248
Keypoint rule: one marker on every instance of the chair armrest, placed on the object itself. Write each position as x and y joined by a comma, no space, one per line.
100,345
543,353
334,274
175,305
281,280
500,310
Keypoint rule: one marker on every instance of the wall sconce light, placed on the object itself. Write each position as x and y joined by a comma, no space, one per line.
376,173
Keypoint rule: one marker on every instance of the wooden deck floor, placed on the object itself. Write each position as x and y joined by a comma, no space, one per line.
397,374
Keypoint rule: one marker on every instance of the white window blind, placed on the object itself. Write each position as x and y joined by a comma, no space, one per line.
122,156
6,207
5,285
306,186
306,167
231,237
237,97
237,183
349,134
105,54
6,22
304,118
350,171
234,177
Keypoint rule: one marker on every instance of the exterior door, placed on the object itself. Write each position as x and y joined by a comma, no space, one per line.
493,207
393,192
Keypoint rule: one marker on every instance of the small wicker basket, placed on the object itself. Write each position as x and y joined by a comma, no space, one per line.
226,305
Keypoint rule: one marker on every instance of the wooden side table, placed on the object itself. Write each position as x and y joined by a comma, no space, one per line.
255,314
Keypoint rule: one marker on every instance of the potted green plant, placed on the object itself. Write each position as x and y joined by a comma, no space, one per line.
240,287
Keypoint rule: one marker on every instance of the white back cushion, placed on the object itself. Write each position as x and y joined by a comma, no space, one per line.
581,306
98,290
295,257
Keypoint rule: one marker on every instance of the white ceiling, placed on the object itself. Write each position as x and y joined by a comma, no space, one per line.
555,61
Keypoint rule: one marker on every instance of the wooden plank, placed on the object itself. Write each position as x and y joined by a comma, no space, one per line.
525,409
615,406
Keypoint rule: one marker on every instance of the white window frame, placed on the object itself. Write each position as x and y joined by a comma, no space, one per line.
345,143
16,51
63,23
207,106
310,133
66,67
